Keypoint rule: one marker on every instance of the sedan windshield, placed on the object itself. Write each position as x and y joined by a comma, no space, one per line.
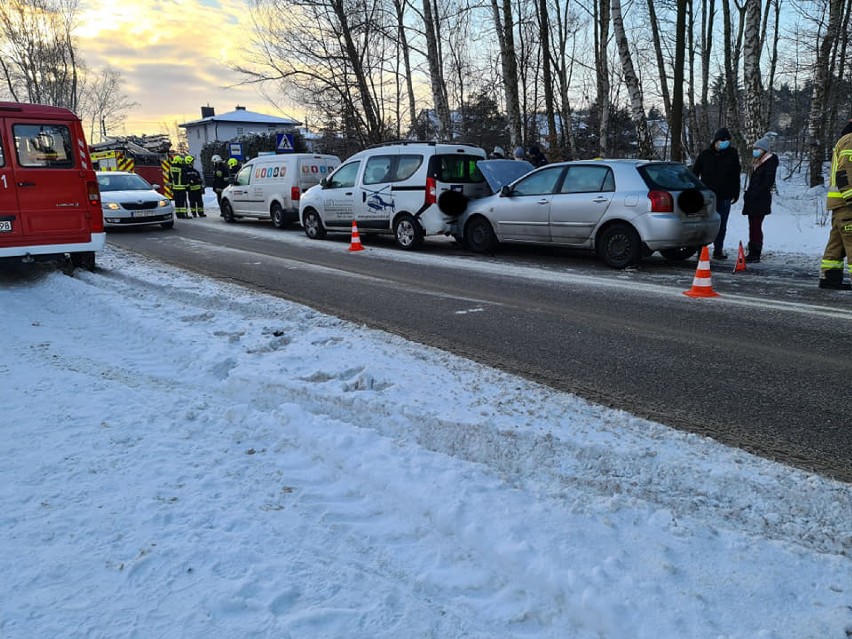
122,183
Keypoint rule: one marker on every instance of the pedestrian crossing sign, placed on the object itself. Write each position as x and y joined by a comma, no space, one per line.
284,143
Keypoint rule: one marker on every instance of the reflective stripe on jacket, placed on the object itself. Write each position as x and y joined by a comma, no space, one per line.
840,184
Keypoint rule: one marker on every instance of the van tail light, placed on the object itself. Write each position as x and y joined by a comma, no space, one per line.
95,214
661,202
295,193
431,191
94,193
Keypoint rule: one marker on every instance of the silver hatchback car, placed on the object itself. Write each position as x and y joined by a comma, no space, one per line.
622,209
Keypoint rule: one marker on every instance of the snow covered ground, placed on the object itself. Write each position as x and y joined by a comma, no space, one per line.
185,458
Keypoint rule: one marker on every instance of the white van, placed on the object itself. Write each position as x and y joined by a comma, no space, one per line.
395,188
270,186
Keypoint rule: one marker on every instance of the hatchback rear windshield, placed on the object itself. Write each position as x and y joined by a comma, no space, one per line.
457,168
669,176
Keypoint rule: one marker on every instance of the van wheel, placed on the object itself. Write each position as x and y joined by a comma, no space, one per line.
620,246
168,225
313,225
277,214
408,232
479,236
84,260
227,211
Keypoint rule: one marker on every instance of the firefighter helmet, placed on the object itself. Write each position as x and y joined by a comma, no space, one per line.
233,162
216,158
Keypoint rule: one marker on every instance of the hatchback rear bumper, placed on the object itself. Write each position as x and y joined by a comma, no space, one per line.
669,230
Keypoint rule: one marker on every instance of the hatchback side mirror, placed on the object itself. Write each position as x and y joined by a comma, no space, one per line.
324,182
505,191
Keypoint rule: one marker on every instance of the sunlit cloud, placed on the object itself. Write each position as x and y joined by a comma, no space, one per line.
173,56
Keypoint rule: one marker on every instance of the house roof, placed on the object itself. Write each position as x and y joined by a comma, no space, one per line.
244,117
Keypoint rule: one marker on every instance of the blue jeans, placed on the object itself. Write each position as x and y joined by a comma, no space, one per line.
723,208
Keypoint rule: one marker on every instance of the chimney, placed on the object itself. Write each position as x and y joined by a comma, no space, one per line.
207,112
240,108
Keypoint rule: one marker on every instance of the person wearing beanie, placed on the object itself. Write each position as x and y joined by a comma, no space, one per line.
519,153
839,244
757,199
498,153
718,166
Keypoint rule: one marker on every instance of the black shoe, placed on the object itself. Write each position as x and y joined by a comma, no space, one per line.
720,255
752,258
835,286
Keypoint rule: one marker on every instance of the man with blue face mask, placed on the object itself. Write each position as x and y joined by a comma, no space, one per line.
719,168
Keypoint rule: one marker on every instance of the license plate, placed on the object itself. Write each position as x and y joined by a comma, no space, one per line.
5,226
145,213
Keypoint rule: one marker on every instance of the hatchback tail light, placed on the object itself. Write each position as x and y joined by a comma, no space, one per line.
295,193
661,202
431,190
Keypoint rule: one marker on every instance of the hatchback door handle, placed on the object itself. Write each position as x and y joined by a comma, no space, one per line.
601,200
543,202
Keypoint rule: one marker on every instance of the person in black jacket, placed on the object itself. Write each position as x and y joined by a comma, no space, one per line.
719,168
757,199
220,177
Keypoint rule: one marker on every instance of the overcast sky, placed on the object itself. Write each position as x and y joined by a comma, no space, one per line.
173,55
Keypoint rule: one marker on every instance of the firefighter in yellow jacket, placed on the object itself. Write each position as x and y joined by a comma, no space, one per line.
840,204
176,176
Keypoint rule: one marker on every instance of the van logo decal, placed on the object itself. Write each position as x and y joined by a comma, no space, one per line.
381,200
275,172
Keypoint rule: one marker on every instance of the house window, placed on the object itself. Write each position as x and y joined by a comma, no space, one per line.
197,134
239,130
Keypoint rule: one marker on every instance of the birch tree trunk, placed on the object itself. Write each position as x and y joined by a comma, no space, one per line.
504,26
399,7
602,63
708,16
752,45
819,101
436,72
637,106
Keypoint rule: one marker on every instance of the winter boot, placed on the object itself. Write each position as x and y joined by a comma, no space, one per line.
754,252
833,279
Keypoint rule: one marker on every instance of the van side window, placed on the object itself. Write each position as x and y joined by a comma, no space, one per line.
244,176
44,146
344,177
407,166
378,169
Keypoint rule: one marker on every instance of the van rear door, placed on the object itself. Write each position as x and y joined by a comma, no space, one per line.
314,168
10,223
49,175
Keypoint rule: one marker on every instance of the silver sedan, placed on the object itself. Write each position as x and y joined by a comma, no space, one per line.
622,209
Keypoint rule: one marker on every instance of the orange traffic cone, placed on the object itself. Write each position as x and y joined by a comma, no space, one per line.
355,244
701,285
741,261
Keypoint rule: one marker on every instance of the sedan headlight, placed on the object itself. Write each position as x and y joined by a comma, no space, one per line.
111,206
163,203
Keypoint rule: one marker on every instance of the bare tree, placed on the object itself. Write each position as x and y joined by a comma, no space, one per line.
103,103
602,17
432,28
752,46
676,120
646,147
821,91
38,57
331,53
505,27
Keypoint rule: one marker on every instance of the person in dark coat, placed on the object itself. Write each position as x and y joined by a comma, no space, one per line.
220,177
757,199
719,168
537,158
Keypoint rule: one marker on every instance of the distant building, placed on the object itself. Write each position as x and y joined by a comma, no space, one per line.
231,126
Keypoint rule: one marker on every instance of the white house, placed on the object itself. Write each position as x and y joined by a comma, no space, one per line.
231,126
